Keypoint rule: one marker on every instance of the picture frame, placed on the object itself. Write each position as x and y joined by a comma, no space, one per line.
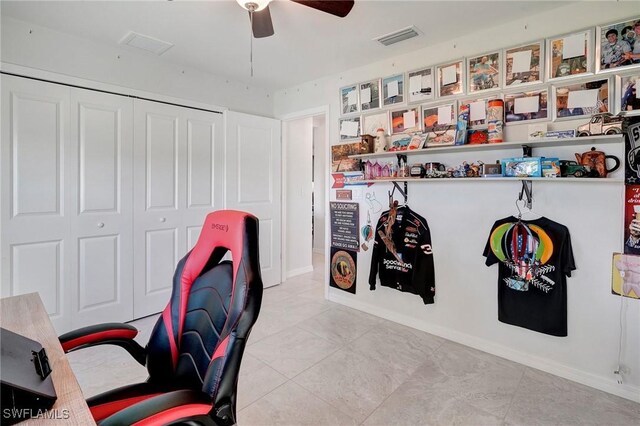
340,161
514,61
480,121
393,90
627,101
484,72
520,108
349,102
399,120
615,46
369,90
598,89
372,122
350,128
451,81
421,87
565,61
436,133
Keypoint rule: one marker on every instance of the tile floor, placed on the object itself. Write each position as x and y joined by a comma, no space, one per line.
313,362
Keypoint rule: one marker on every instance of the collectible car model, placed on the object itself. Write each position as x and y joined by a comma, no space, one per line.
571,168
603,123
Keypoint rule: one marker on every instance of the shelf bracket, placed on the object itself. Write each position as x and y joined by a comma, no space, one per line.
403,191
527,191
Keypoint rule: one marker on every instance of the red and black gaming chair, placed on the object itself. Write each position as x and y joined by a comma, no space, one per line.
194,353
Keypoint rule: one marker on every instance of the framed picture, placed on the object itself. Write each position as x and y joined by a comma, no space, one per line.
349,99
532,106
405,120
350,128
570,55
439,123
581,99
450,78
393,90
477,111
483,72
523,64
618,45
372,122
627,101
340,161
369,95
421,85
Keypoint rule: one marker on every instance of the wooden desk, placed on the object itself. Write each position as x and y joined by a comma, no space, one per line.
26,315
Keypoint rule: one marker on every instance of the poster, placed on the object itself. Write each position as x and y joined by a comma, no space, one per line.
345,228
631,130
343,270
625,276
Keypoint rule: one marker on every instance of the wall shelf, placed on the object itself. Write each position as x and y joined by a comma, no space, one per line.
501,179
586,140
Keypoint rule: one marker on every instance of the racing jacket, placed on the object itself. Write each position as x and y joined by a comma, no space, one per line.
407,263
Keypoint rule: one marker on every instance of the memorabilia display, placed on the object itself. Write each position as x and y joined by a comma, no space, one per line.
483,72
495,120
393,90
537,131
581,99
632,219
478,136
349,99
569,168
627,99
461,125
381,144
477,112
369,95
597,160
522,167
450,79
623,283
439,124
343,270
526,106
491,170
342,179
349,128
400,142
550,167
535,258
560,134
421,85
603,123
405,120
617,45
340,161
371,123
570,55
402,256
523,65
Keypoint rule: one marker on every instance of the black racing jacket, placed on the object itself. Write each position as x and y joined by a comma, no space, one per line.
410,267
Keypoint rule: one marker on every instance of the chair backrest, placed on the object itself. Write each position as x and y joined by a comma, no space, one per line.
199,339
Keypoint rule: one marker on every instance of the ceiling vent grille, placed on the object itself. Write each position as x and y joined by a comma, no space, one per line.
146,43
398,36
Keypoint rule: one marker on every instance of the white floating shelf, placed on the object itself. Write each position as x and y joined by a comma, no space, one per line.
501,179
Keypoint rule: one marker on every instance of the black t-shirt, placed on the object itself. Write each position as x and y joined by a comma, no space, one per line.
535,259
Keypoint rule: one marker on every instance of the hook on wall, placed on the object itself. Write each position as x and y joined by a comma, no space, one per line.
526,193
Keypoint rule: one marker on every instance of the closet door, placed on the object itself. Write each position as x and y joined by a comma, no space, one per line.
253,183
101,283
35,203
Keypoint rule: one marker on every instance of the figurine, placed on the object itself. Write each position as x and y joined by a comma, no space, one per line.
603,123
381,141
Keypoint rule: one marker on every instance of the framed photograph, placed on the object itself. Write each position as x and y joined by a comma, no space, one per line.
405,120
421,85
350,128
483,72
450,78
581,99
372,122
618,45
340,161
521,107
523,64
627,101
369,95
477,111
393,90
570,55
439,123
349,99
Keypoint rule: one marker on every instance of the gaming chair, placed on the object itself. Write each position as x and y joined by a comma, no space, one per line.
194,353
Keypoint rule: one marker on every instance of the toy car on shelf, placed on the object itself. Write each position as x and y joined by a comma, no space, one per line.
603,123
570,168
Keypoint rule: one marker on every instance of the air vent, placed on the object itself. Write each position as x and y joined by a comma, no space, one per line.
146,43
398,36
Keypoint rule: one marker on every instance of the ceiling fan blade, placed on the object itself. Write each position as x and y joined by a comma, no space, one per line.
339,8
262,24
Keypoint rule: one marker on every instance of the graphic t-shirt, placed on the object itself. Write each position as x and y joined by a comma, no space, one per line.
535,258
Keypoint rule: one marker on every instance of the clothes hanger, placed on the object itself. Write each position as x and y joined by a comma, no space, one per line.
527,213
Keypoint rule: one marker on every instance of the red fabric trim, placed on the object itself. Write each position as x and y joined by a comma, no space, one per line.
221,349
168,324
102,411
96,337
174,413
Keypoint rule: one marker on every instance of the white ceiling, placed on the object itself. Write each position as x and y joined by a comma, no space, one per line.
213,36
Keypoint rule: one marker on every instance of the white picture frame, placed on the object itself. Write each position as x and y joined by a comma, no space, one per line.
451,89
390,85
603,61
398,124
561,110
347,94
560,67
544,106
484,73
535,74
344,129
626,94
424,77
375,101
371,123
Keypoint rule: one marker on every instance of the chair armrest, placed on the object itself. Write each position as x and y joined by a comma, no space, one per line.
112,333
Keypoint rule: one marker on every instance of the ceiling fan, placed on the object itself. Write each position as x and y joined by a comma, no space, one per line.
260,16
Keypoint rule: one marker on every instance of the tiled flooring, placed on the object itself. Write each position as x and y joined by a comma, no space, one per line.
313,362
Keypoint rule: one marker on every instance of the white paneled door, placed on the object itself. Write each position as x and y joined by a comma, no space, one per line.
178,168
253,182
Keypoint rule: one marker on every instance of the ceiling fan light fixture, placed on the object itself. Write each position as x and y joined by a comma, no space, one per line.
254,5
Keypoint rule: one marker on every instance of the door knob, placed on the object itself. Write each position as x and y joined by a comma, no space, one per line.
100,225
163,219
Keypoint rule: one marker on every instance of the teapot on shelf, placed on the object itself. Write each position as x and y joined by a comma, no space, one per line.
597,160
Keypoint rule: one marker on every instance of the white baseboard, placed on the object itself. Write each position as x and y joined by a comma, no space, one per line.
299,271
605,384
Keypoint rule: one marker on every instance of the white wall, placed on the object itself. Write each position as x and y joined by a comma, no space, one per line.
461,214
319,190
58,52
297,143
